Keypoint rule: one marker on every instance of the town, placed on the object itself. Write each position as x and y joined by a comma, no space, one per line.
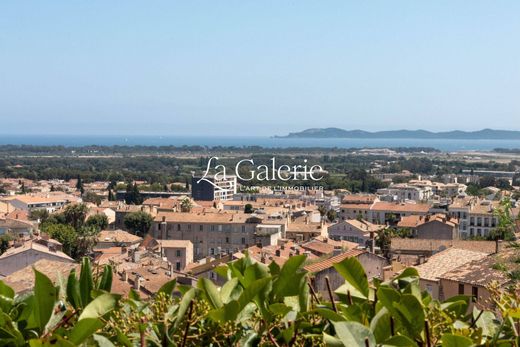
457,237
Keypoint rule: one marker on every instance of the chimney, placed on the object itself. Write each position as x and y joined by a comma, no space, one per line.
277,252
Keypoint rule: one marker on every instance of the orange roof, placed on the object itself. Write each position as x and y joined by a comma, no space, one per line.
400,207
328,263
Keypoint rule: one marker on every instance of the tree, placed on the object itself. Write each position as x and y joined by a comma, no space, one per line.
4,242
98,221
322,210
92,197
65,234
138,222
86,239
75,215
384,241
186,204
79,185
487,181
505,229
41,214
111,196
503,184
133,196
331,215
248,208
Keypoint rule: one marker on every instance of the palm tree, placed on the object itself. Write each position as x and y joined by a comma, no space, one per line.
186,204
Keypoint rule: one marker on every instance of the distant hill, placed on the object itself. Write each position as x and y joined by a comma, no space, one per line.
485,134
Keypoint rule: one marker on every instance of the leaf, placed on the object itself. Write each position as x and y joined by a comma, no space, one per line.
84,328
451,340
354,334
210,290
102,341
280,309
106,279
86,283
354,274
99,306
330,315
168,287
6,291
410,314
332,341
184,304
380,325
228,288
399,341
73,291
287,282
44,299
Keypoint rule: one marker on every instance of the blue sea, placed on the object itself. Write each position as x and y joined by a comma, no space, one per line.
268,142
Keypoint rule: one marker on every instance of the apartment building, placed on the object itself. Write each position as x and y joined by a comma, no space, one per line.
354,230
217,233
476,216
404,191
49,202
211,188
433,227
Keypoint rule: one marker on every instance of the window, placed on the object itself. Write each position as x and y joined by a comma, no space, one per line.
243,240
474,293
178,266
178,227
220,228
189,226
212,228
227,239
212,251
461,289
243,228
178,253
200,227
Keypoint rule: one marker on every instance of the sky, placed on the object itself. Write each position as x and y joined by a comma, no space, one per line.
257,68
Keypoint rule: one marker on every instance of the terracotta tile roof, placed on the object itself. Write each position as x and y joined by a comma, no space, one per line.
28,245
414,221
117,236
318,247
175,243
478,272
328,263
406,244
202,218
400,207
445,261
23,279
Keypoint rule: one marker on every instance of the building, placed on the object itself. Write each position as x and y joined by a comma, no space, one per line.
123,210
211,188
390,213
405,191
473,278
434,227
16,227
26,253
51,203
440,263
178,252
354,230
374,266
22,281
217,233
117,238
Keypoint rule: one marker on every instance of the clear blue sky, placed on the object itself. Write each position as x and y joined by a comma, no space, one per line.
257,67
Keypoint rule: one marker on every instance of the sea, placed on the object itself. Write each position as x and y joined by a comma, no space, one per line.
446,145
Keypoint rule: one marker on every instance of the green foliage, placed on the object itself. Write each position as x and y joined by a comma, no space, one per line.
98,221
138,222
63,233
49,316
248,208
258,305
4,242
75,215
